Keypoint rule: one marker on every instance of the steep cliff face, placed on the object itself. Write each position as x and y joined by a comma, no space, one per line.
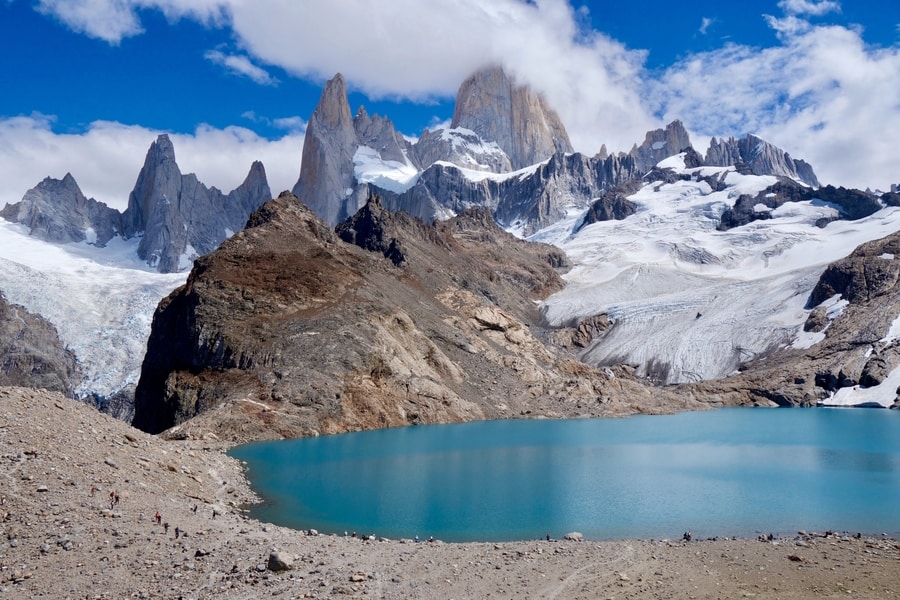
56,210
762,158
514,116
326,179
177,217
31,353
659,144
288,330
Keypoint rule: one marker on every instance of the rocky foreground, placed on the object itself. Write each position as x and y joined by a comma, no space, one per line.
63,536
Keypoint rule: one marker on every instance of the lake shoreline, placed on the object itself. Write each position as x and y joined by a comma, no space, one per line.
62,538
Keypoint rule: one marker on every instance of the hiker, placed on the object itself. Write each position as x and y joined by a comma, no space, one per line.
93,490
177,533
166,527
157,517
195,508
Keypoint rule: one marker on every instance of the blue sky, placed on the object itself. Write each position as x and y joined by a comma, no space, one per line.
88,84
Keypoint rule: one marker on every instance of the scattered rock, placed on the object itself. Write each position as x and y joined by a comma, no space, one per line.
279,561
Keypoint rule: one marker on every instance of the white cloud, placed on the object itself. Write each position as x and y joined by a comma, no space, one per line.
423,50
822,95
114,20
242,66
815,8
108,20
705,22
105,159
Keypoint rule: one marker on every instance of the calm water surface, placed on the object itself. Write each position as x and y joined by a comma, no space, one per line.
724,472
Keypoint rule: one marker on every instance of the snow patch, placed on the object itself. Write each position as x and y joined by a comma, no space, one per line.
886,256
894,331
692,302
675,161
834,307
882,395
391,175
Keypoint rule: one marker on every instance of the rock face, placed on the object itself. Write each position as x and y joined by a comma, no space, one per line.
528,201
762,158
56,210
660,144
288,330
326,180
179,218
31,353
529,176
514,116
851,204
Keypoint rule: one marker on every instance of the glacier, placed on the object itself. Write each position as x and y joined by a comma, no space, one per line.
689,302
101,300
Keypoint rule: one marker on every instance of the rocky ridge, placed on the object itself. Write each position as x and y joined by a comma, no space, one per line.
32,354
57,211
176,217
407,323
506,150
179,218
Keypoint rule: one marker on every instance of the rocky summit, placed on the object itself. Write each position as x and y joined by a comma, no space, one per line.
290,329
57,211
175,216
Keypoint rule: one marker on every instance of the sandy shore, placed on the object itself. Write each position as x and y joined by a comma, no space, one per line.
61,538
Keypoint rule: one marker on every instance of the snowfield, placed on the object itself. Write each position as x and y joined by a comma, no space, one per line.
101,300
689,302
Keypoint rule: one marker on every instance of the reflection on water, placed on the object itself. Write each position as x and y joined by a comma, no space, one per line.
726,472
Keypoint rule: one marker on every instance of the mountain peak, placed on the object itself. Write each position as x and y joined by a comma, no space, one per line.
514,116
326,166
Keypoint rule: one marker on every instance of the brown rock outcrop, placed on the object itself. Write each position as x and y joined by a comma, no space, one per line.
31,353
287,330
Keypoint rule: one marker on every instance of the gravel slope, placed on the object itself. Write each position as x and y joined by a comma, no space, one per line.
57,540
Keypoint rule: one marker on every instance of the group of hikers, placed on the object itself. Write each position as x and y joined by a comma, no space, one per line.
158,519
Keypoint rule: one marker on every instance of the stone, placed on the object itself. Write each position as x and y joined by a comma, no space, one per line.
574,536
57,211
33,355
326,165
761,158
279,561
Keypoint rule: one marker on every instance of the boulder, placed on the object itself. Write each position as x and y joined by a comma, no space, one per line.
279,561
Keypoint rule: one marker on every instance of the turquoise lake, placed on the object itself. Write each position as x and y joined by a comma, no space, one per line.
730,472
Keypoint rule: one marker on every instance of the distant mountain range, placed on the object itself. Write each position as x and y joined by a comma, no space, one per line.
175,216
399,298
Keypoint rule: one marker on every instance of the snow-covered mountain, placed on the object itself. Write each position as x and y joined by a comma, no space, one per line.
686,300
98,274
686,266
